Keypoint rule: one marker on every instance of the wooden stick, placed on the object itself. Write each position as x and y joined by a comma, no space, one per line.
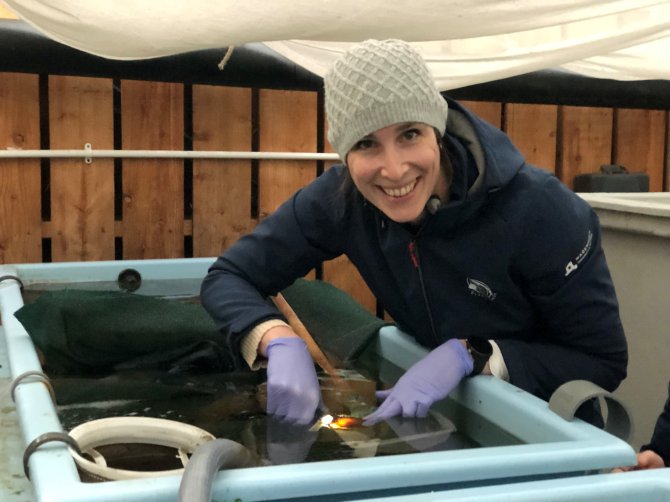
337,388
300,330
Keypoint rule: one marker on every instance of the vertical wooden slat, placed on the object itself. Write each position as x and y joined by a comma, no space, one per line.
640,143
340,272
287,122
586,141
532,128
221,189
487,110
20,203
153,189
82,195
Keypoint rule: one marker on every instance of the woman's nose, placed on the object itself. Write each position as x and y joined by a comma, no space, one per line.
393,165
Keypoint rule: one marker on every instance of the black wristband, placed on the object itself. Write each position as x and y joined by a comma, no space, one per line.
480,350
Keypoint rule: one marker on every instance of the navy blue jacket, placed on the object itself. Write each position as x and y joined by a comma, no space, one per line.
513,256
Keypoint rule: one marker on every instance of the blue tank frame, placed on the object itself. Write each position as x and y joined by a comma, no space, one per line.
552,447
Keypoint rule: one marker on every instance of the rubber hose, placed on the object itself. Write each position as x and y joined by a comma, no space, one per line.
198,478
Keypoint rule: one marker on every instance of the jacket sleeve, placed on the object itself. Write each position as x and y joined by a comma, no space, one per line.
660,439
562,268
283,247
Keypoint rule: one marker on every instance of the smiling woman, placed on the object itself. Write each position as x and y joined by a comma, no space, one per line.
462,242
382,125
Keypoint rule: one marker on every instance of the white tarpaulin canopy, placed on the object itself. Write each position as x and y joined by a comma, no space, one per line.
464,41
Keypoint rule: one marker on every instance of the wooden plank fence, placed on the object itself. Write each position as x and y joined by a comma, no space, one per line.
221,121
70,210
82,195
21,229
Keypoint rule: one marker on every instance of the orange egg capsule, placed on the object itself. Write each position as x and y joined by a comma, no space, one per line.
345,423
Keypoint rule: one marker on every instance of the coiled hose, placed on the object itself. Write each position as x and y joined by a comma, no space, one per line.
198,478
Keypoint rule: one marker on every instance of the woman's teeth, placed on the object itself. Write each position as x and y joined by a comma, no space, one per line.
399,192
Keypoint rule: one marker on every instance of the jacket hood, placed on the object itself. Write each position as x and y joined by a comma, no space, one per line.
484,161
496,158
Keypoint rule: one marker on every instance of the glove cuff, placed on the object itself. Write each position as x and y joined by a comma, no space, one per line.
464,357
289,342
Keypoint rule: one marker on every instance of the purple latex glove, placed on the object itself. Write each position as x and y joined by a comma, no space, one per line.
429,380
293,388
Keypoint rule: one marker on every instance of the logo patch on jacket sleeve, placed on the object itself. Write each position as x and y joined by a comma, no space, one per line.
479,288
574,263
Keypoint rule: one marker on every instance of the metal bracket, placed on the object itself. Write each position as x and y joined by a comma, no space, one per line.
12,277
88,147
38,377
47,437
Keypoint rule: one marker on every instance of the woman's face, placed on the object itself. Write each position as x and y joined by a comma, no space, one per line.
397,169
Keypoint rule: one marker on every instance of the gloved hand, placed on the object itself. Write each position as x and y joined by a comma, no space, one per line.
288,443
429,380
293,388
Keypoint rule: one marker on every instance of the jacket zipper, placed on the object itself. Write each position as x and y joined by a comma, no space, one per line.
414,256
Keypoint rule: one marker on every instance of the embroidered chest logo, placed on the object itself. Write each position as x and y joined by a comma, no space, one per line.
479,288
574,264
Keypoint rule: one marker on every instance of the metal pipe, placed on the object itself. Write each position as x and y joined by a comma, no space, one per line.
163,154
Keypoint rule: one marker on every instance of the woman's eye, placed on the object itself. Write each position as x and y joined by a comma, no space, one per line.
411,133
363,144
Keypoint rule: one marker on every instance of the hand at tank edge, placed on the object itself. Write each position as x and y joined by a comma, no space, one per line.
647,459
427,381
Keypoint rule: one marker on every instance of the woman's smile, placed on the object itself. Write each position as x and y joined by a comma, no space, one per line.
401,191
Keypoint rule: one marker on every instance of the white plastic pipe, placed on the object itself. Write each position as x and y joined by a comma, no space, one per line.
163,154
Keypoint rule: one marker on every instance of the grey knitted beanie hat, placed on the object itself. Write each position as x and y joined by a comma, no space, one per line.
376,84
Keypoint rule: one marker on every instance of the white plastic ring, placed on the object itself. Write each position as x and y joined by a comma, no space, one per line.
124,430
